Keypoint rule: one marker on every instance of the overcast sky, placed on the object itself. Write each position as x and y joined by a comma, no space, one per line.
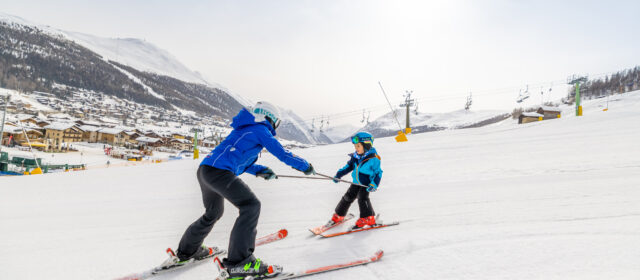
326,57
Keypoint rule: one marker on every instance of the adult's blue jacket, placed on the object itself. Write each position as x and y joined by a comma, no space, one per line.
239,151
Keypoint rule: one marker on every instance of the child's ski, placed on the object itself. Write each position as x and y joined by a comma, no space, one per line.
172,264
358,230
313,271
329,225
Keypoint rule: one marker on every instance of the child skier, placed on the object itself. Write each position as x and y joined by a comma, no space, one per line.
365,164
252,131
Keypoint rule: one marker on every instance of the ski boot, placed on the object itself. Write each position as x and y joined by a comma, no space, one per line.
253,270
335,219
203,252
366,221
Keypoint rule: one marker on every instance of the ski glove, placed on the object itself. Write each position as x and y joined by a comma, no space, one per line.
372,187
267,174
335,179
310,170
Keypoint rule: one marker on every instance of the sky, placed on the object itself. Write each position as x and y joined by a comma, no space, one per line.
327,57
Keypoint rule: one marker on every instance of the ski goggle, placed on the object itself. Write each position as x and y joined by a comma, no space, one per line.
356,140
274,124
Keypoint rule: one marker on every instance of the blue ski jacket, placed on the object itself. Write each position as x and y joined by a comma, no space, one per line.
366,168
239,151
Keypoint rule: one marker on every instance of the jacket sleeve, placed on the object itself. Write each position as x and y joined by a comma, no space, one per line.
255,169
346,169
377,171
275,148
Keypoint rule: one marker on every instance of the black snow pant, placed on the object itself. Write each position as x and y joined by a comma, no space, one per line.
217,185
352,193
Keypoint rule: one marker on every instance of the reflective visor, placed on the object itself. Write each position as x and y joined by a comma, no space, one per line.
356,139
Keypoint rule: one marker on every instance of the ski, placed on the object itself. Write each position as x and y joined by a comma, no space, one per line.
272,237
329,225
172,262
291,275
377,226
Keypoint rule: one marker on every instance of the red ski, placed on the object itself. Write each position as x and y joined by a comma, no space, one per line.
272,237
359,230
171,263
308,272
329,225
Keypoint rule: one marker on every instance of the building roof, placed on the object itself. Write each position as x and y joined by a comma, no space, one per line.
531,114
113,131
146,139
550,109
89,128
59,126
183,141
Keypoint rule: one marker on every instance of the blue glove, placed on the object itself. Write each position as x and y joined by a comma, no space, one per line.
267,174
372,187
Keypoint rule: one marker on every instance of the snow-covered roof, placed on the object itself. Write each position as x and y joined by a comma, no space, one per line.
532,114
60,116
59,126
16,130
183,141
550,109
22,117
92,123
113,131
89,128
109,120
146,139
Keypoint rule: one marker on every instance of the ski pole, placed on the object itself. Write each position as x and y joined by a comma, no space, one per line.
300,177
340,180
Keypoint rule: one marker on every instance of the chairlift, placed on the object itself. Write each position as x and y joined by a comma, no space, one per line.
313,125
522,96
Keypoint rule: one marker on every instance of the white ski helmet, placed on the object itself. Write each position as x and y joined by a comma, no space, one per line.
266,111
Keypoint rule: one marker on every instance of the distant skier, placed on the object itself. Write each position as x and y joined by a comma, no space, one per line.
217,175
365,164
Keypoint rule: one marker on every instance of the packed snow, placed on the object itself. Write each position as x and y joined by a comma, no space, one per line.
556,199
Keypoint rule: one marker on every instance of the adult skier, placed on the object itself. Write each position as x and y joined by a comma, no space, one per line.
218,177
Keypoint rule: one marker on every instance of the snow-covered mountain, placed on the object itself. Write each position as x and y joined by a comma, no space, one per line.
50,59
341,132
387,125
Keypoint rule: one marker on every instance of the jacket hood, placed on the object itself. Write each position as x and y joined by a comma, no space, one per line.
244,118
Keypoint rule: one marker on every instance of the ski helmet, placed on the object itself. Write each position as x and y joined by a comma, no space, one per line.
266,111
363,137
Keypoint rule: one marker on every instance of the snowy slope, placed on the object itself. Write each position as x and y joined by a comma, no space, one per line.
557,199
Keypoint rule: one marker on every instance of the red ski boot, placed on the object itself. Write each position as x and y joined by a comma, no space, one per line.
366,221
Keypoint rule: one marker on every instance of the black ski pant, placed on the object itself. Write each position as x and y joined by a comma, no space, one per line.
352,193
217,185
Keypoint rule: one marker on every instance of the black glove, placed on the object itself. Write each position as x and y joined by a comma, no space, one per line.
267,174
335,179
310,170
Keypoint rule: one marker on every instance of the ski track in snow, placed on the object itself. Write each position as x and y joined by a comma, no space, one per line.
557,199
